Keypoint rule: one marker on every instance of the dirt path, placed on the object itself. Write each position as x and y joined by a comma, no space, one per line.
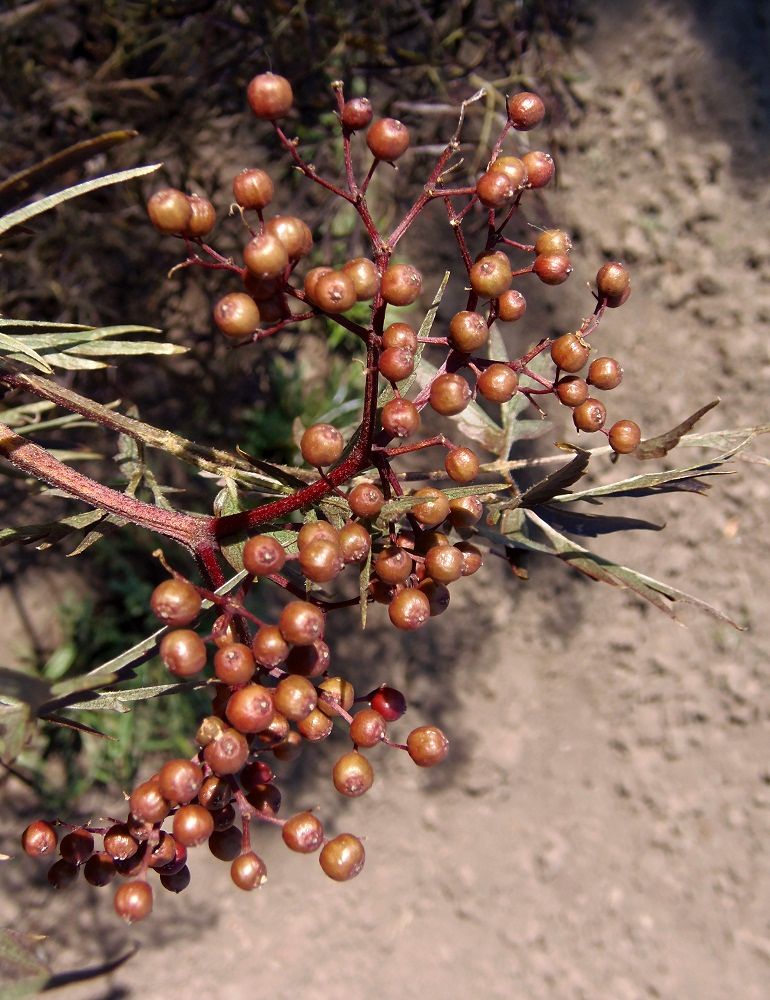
600,832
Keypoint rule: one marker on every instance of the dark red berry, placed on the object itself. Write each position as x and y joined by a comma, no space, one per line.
77,847
253,188
400,417
498,383
401,284
540,168
356,113
389,703
250,709
169,210
525,111
39,839
570,352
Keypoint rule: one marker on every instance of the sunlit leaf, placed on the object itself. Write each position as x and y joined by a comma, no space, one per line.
662,444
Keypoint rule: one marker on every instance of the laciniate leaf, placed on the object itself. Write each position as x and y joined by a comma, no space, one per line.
662,444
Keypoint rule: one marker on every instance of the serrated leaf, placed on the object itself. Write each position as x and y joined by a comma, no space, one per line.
21,215
662,444
660,595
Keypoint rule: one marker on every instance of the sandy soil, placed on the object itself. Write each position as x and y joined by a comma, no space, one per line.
600,830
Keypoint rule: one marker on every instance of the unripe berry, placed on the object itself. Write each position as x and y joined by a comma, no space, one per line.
315,727
39,839
352,774
293,233
357,113
202,219
511,305
396,363
133,901
612,280
183,652
472,558
321,561
237,315
605,373
388,139
180,781
432,509
367,728
227,753
343,857
303,832
468,331
525,111
571,390
540,168
465,512
498,383
334,292
270,96
215,793
248,871
495,190
553,268
175,602
301,622
192,825
266,256
253,188
401,284
366,500
400,417
250,709
269,647
444,563
624,436
461,465
409,609
427,746
295,697
169,211
513,168
364,276
321,444
552,241
590,415
147,803
335,691
163,851
400,335
449,394
491,275
355,542
569,352
393,564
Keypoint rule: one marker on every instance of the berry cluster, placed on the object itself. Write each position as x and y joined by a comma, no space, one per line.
275,690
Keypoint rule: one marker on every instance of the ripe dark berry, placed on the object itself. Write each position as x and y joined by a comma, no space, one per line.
367,728
433,507
175,602
427,746
226,844
266,256
215,793
388,139
552,268
77,847
495,190
468,331
133,901
234,664
352,774
498,383
269,647
192,825
100,869
396,363
513,168
461,465
491,276
295,697
356,113
184,652
163,851
39,839
303,832
237,315
612,280
444,563
400,335
590,415
202,219
624,436
175,881
366,500
227,753
180,781
364,276
248,871
409,609
437,594
178,861
266,799
253,188
335,691
169,210
270,96
321,444
343,857
250,709
511,305
449,394
62,874
393,564
401,284
525,111
400,417
569,352
301,622
334,292
389,703
605,373
571,390
355,542
540,168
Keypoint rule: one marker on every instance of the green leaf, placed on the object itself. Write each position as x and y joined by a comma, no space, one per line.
14,346
82,335
23,973
363,586
474,422
122,701
393,509
21,215
725,439
131,348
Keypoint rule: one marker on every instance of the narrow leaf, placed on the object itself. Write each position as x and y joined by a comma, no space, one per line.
22,972
661,445
592,525
121,701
